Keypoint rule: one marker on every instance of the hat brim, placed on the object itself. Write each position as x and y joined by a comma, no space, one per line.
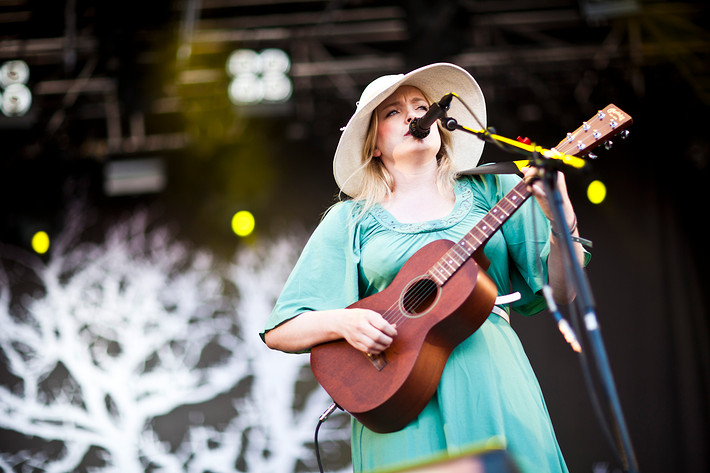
435,80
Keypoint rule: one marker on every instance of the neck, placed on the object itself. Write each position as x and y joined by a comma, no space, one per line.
416,196
410,177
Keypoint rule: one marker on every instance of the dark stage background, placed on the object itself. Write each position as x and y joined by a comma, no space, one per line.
117,81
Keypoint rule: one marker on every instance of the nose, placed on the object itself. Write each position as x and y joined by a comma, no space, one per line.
411,115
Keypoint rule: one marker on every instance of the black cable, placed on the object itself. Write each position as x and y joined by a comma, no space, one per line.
322,419
320,465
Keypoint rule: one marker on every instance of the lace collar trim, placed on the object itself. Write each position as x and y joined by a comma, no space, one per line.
463,204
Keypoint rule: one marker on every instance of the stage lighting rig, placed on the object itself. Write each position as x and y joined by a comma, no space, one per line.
259,77
15,96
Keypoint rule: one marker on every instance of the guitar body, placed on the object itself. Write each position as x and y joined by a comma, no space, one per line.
388,391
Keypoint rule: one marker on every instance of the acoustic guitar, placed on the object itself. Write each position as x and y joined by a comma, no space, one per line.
440,296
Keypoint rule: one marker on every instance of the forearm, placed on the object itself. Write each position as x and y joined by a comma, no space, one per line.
304,331
364,329
563,292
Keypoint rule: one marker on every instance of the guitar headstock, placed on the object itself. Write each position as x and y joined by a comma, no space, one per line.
606,123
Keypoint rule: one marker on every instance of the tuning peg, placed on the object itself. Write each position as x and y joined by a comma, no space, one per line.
591,156
608,145
624,134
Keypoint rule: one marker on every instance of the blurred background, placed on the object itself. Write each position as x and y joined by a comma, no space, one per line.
199,109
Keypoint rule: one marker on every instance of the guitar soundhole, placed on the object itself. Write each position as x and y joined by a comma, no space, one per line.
419,297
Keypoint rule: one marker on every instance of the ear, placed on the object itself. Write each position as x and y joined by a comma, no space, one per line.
377,153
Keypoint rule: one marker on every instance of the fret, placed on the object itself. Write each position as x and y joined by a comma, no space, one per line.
492,224
460,252
474,247
443,270
482,233
466,246
494,213
436,277
447,261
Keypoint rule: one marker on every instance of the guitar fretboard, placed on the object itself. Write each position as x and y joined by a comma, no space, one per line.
452,260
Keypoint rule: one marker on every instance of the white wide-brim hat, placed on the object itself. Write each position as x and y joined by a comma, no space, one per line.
435,80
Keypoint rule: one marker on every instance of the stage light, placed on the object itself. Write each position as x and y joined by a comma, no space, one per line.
277,87
40,242
259,77
275,60
14,72
596,192
243,61
243,223
246,88
16,100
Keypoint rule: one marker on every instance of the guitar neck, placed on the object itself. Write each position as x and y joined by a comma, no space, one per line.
607,122
479,235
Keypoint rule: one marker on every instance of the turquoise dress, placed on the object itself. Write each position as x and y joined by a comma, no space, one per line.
488,391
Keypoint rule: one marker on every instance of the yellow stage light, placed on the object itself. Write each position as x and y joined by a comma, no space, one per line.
596,192
40,242
243,223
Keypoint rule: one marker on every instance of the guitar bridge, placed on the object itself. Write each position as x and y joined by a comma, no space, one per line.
378,361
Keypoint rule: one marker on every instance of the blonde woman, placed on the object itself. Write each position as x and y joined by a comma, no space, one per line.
404,193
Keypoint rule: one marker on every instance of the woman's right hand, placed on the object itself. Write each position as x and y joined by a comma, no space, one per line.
366,330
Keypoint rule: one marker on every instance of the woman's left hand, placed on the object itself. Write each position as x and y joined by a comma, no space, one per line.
538,191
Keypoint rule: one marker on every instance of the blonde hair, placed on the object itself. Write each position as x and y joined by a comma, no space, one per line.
378,183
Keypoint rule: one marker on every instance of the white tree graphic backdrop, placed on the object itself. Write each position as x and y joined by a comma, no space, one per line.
137,354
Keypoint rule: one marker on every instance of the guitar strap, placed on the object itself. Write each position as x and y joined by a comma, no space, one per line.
501,312
504,300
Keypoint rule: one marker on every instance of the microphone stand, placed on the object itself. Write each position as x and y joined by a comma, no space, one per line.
548,174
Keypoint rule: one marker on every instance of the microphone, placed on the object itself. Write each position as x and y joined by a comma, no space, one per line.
419,127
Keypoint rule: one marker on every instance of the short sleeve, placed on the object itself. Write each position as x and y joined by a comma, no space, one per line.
325,275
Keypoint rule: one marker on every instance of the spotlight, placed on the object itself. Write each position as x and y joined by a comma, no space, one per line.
14,72
40,242
243,61
277,87
596,192
275,60
16,100
246,88
243,223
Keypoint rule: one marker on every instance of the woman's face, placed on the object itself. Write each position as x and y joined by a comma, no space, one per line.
394,142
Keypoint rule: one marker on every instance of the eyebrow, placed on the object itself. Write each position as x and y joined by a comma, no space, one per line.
400,101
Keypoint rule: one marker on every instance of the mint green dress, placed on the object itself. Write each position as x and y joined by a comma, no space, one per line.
488,391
